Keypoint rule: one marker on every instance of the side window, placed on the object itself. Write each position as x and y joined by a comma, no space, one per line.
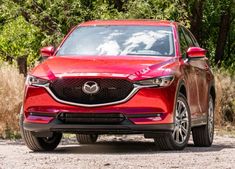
183,43
194,40
188,38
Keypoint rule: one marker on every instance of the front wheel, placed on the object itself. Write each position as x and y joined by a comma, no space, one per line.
178,139
39,143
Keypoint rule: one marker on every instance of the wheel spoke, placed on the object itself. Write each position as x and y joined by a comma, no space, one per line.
209,127
184,130
181,135
179,107
176,114
183,114
184,120
177,136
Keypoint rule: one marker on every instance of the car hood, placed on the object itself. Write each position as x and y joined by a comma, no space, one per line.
132,67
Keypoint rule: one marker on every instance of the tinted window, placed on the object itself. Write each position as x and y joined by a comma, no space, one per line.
193,39
120,40
188,38
183,43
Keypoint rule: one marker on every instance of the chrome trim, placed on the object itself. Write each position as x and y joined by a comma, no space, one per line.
132,93
160,77
136,88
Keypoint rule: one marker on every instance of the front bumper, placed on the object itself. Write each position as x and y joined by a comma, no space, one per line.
146,101
147,112
54,126
93,123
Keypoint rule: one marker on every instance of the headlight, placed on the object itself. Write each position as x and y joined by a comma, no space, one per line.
32,80
159,81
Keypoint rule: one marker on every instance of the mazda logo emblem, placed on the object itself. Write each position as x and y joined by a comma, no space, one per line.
90,87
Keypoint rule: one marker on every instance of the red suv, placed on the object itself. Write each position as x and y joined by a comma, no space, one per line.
121,77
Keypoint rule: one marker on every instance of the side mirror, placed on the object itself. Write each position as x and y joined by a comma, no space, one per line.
47,51
196,52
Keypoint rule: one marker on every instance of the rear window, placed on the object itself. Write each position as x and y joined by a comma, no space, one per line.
119,40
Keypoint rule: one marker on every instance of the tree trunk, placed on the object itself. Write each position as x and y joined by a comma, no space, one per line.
222,37
196,19
9,59
118,5
229,44
22,65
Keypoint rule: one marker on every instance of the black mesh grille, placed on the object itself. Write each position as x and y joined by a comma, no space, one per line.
96,118
111,90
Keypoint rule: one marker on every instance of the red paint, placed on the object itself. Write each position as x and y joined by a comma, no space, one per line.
193,52
47,51
132,68
38,119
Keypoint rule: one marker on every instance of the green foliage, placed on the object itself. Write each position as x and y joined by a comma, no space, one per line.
27,25
155,9
19,38
211,17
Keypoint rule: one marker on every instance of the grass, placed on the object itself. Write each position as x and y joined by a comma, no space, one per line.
11,96
226,131
225,102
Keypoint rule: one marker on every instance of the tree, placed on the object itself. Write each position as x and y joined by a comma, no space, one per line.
211,21
225,20
196,19
18,40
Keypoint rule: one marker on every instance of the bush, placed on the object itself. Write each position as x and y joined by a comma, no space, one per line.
19,39
11,96
225,102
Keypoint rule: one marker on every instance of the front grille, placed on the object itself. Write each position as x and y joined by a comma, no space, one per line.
111,90
91,118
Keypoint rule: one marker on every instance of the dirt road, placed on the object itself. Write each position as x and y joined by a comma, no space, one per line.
118,152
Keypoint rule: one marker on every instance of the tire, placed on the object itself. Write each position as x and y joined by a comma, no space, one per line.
87,138
178,138
38,143
203,135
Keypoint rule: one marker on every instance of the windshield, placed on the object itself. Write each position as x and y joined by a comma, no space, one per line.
119,40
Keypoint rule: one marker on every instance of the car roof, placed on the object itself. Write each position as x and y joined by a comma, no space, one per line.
130,22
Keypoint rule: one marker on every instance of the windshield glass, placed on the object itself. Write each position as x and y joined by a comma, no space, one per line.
119,40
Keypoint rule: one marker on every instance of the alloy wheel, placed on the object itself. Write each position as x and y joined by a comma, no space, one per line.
180,131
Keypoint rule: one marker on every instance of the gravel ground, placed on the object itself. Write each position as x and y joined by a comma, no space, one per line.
118,152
